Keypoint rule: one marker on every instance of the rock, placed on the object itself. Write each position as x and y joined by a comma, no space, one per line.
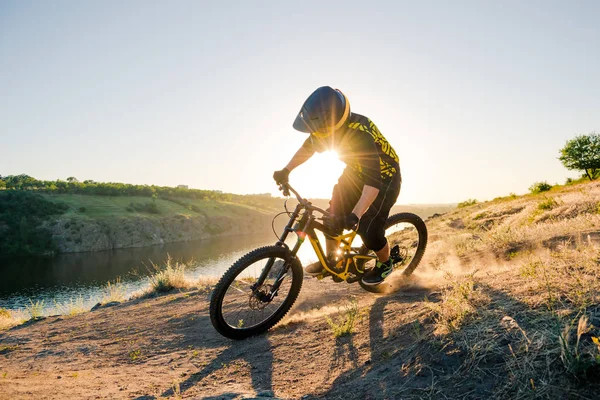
110,304
71,234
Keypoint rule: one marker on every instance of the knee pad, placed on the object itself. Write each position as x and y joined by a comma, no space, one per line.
374,238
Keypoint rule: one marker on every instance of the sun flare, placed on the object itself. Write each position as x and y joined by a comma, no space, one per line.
316,178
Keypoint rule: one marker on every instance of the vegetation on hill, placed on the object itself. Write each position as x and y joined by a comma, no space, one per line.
21,223
89,187
583,153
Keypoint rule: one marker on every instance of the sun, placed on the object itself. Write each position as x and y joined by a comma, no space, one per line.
316,177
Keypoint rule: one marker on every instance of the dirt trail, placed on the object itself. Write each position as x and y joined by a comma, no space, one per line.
167,347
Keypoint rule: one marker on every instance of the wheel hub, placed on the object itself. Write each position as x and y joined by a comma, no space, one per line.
260,297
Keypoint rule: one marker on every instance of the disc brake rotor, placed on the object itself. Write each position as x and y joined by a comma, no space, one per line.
260,298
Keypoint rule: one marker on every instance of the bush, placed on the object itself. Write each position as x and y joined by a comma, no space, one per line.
171,276
149,207
344,325
547,204
539,187
467,203
22,230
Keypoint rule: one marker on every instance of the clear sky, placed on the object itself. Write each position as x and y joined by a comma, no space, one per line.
477,97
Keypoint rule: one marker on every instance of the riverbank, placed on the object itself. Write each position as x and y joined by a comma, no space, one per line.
96,223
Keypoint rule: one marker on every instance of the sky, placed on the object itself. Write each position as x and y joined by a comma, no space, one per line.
476,97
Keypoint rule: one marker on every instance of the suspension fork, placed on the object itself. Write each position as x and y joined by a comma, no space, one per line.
281,242
300,230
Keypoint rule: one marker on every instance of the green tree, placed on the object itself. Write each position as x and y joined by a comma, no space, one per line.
582,153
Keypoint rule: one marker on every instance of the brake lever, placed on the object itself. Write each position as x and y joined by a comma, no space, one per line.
285,190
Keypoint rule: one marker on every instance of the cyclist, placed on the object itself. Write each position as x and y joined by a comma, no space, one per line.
370,183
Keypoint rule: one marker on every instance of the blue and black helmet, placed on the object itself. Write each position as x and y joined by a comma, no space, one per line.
325,111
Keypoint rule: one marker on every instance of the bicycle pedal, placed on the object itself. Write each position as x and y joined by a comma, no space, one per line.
323,275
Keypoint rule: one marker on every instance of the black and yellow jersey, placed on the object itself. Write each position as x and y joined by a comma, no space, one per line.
364,150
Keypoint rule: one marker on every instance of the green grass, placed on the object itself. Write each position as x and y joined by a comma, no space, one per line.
467,203
547,204
116,206
344,324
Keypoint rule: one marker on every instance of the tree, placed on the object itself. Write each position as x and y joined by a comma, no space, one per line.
582,153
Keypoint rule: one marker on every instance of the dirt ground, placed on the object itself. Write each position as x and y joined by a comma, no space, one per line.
167,347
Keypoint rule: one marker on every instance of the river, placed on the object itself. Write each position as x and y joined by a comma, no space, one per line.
82,277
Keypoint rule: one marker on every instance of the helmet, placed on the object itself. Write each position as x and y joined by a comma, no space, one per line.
325,111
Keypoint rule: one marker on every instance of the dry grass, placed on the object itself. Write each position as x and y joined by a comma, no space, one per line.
113,292
460,302
71,307
532,328
10,318
35,310
168,277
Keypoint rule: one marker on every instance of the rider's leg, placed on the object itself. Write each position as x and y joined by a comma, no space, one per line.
383,255
372,230
342,202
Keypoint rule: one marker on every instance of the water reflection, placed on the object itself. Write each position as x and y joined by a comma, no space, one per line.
71,276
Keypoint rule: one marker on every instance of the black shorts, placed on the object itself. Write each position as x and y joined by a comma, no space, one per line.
371,226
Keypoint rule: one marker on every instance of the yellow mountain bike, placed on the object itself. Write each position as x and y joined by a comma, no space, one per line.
260,288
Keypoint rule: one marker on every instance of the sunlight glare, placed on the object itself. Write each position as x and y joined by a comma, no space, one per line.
316,177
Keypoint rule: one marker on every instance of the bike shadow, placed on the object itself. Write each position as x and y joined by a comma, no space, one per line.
255,351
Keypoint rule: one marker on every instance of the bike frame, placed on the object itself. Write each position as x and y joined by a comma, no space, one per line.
305,224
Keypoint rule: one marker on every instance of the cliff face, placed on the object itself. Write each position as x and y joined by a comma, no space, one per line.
73,234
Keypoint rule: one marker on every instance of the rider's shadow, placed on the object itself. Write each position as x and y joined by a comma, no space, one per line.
255,351
344,353
377,335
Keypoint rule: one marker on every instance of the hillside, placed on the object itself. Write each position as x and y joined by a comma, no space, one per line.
506,304
106,222
34,222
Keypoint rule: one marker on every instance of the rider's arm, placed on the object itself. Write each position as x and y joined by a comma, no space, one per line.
368,196
299,158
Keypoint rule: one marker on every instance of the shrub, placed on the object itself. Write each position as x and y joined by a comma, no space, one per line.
35,310
149,207
547,204
170,277
539,187
345,324
577,359
467,203
23,215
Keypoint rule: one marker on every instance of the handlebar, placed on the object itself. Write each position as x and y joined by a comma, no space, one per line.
286,188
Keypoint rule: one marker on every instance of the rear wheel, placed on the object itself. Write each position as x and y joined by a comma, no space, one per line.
406,234
241,307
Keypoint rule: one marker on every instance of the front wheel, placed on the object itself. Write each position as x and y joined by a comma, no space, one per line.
255,293
408,232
